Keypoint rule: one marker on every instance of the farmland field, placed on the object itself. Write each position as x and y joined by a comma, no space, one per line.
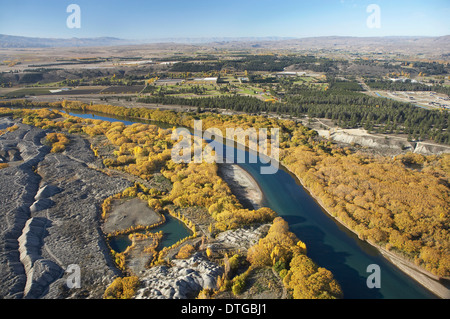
81,90
36,91
19,93
133,89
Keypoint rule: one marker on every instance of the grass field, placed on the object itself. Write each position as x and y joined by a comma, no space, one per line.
304,79
184,90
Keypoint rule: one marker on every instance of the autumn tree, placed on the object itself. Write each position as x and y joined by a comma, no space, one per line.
122,288
185,252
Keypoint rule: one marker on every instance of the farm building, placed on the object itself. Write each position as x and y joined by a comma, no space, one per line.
169,62
203,81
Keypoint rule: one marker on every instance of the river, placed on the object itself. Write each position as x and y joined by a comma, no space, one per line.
329,244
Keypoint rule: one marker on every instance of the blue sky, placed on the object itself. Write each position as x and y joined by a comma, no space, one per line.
150,19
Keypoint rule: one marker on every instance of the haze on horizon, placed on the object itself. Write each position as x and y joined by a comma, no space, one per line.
143,20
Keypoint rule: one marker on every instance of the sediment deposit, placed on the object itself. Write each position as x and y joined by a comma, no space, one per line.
49,217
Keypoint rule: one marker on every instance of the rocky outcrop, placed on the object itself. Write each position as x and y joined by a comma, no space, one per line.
242,238
74,236
367,140
185,279
386,142
431,149
40,272
43,273
49,218
19,184
46,192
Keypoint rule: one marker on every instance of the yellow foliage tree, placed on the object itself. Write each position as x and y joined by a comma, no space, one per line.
122,288
185,252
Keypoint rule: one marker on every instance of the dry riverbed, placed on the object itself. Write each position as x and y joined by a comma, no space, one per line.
50,208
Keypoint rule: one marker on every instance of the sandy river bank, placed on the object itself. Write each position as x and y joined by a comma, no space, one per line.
242,184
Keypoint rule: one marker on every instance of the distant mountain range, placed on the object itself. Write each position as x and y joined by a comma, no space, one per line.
426,47
10,41
216,40
435,46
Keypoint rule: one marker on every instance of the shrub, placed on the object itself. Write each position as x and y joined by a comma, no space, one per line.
58,141
239,284
122,288
185,252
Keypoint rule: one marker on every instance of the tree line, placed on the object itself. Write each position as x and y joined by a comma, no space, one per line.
348,109
407,85
268,63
